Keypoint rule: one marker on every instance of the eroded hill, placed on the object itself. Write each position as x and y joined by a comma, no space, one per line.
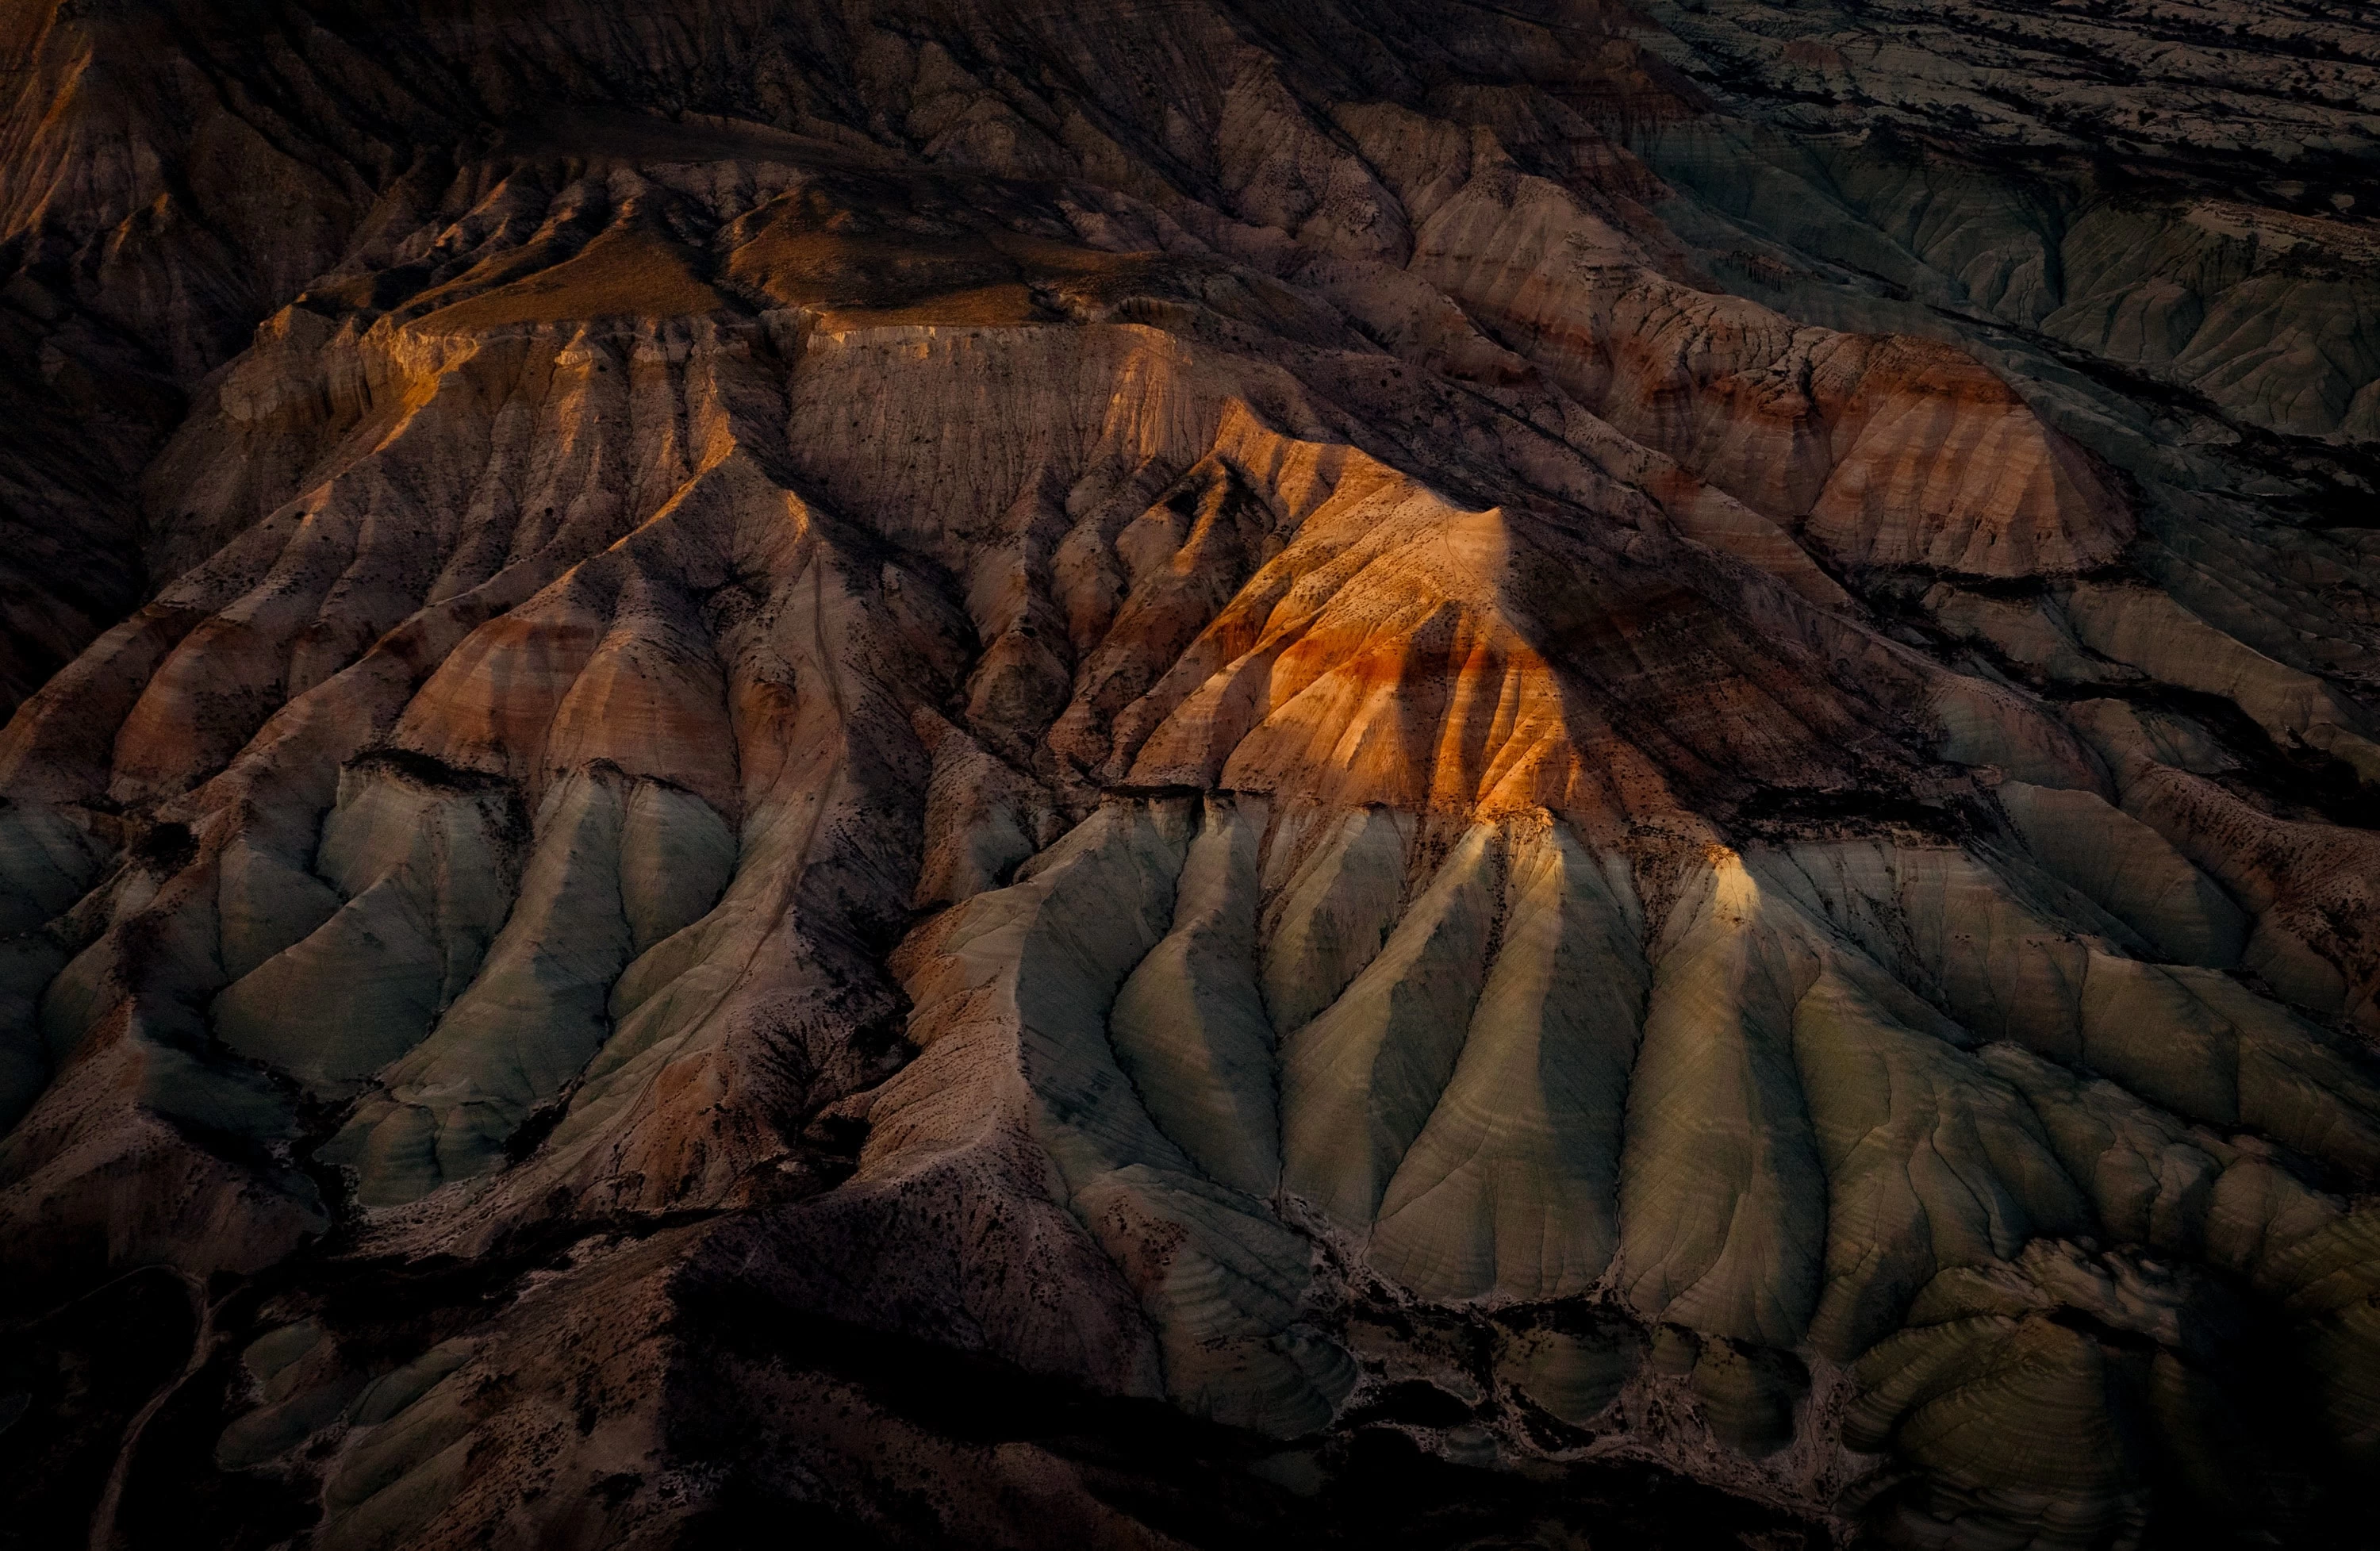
1194,775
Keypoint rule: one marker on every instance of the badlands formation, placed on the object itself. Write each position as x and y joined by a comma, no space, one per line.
1189,773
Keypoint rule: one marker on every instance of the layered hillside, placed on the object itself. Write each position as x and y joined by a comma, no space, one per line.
934,774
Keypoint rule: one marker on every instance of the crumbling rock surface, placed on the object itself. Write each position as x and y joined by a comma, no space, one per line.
937,774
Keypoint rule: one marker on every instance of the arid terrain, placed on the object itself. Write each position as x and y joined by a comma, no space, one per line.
1189,773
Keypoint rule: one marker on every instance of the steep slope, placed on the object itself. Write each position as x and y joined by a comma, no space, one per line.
1382,771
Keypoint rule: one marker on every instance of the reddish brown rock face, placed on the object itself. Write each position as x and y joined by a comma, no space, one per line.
1198,775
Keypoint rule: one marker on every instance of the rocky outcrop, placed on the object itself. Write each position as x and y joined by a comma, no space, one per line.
1410,775
2223,241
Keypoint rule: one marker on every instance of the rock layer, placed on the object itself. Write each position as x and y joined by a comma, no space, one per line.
1402,774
